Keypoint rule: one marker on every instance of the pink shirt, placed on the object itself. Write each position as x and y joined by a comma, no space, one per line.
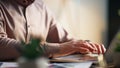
19,23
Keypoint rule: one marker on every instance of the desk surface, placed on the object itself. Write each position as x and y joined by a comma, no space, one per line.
84,64
51,65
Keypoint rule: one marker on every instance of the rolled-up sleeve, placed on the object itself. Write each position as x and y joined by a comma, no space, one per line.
56,33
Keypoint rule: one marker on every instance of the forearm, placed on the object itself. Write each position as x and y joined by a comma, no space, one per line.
61,49
51,49
9,49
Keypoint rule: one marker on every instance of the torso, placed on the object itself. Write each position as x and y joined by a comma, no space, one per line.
24,23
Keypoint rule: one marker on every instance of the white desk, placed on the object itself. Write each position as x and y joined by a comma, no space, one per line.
75,62
52,65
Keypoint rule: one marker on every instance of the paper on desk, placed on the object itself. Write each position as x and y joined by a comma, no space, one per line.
9,65
75,58
72,65
52,65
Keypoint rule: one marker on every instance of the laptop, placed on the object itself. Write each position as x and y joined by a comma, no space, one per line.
109,56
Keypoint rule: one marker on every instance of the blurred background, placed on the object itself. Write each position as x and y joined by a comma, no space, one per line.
96,20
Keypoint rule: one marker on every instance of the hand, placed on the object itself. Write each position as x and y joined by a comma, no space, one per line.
80,46
83,47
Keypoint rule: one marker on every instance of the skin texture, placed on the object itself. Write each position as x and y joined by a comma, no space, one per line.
79,46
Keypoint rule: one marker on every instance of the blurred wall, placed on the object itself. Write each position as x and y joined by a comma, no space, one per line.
84,19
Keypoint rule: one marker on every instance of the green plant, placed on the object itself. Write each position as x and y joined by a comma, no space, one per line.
32,50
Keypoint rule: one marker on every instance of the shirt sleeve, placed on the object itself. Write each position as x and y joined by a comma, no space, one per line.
56,33
9,48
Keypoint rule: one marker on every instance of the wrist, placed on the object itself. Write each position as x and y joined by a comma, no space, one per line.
51,49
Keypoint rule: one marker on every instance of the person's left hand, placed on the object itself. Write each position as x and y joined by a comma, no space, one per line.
84,47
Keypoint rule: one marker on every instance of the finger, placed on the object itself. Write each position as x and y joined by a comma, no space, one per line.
103,49
94,46
99,48
88,45
85,44
83,50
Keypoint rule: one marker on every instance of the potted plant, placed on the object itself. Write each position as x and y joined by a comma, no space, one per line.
32,55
